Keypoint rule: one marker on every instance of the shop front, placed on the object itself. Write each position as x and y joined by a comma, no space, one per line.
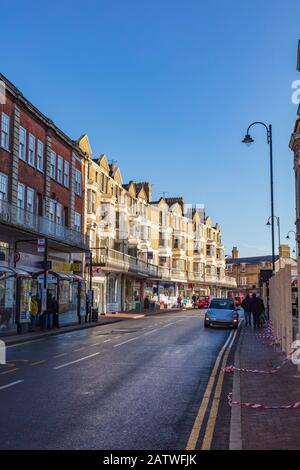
133,294
113,292
167,294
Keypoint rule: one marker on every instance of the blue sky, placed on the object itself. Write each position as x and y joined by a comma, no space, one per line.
167,88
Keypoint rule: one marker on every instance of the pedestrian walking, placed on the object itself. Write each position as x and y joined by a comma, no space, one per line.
194,300
257,309
179,301
246,305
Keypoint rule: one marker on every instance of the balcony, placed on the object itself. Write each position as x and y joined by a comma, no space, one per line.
224,281
121,262
41,226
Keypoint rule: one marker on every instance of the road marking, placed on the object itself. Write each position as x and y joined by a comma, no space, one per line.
194,436
8,371
24,343
210,427
79,349
37,363
106,341
77,360
60,355
11,384
136,337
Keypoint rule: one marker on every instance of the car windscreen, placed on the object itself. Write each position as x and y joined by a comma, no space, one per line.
222,304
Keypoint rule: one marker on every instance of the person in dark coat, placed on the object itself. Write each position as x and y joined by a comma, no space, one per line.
246,305
257,309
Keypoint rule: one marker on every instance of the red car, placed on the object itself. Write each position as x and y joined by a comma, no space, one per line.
203,302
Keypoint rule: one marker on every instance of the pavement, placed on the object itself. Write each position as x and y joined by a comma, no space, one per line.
138,384
255,429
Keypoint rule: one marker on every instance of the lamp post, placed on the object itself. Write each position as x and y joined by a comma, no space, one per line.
248,140
288,238
278,227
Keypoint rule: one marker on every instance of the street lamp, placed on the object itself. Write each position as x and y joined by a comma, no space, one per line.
248,140
278,226
288,238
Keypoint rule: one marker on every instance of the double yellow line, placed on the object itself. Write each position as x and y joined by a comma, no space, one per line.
217,374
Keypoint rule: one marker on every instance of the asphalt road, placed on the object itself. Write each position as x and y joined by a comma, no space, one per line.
137,384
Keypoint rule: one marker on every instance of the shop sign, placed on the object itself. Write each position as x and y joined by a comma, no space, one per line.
61,267
76,267
150,254
113,307
97,271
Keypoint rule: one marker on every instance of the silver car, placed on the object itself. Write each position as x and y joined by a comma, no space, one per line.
221,312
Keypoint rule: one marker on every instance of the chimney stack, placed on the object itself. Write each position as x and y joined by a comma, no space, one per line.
284,251
235,252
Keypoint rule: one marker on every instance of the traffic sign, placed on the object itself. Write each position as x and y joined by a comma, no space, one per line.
41,245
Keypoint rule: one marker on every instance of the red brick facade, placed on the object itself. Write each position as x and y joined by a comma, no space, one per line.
47,187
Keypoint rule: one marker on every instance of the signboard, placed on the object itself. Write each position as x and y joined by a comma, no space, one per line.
150,254
41,245
47,265
97,271
88,256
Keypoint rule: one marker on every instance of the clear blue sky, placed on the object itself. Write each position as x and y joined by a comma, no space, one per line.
167,88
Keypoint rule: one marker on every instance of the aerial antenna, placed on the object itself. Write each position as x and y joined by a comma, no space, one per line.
164,193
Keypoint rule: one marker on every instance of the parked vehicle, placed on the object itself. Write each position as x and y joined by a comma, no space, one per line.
203,302
222,312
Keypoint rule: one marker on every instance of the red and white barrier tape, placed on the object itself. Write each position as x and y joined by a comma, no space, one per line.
260,406
231,368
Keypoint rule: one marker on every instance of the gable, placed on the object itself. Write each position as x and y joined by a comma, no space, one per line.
208,222
142,195
118,177
84,145
176,209
103,162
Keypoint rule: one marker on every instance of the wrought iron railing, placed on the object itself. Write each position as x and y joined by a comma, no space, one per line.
110,258
24,219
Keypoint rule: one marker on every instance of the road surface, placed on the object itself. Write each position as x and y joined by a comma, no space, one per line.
136,384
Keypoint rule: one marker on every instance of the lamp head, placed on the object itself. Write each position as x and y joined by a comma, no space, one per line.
248,140
268,223
287,237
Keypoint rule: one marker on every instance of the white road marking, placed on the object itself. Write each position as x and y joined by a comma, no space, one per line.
11,384
136,337
77,360
24,343
106,341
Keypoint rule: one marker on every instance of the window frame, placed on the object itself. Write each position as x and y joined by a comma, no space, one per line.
5,133
59,161
40,168
52,153
22,144
31,150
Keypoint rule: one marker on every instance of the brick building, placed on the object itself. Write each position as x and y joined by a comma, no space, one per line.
247,271
42,196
